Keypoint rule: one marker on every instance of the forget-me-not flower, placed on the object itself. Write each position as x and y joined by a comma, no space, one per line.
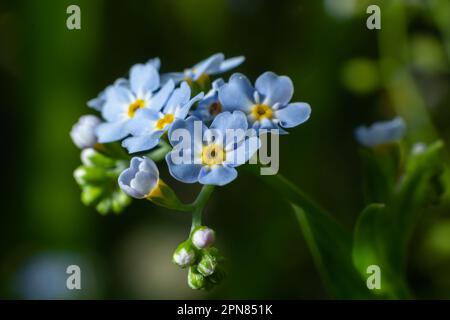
381,132
267,105
140,179
209,106
149,125
212,160
122,101
215,64
98,102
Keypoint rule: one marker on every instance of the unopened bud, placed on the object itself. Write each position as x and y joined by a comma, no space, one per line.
203,237
195,279
184,255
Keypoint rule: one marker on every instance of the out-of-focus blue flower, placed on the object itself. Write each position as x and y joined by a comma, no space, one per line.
149,125
211,158
140,178
381,132
215,64
44,276
83,132
267,104
98,102
210,106
123,100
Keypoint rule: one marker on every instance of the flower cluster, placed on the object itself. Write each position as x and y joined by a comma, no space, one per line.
203,128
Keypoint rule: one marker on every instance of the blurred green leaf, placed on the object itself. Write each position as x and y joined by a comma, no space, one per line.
329,242
331,247
371,248
381,169
382,232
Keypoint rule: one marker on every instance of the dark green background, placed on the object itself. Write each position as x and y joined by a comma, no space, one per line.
47,73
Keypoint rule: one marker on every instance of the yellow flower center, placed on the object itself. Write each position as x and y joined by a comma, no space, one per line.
213,154
164,121
215,108
132,108
262,111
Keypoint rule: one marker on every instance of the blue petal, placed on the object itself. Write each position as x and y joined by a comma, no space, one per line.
217,175
243,152
174,76
187,173
228,120
144,122
183,111
111,131
230,64
381,132
189,124
293,114
276,89
143,78
210,64
155,62
160,98
179,97
142,143
237,94
118,98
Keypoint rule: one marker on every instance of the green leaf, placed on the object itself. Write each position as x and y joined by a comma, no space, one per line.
383,231
329,242
372,248
331,247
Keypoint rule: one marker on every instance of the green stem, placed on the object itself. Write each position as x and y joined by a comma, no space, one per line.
160,153
199,205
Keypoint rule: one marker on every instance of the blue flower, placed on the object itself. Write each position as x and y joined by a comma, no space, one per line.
139,180
83,132
98,102
210,106
149,125
215,64
124,99
381,132
210,158
267,105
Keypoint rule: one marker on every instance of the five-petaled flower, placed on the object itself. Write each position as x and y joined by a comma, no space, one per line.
381,132
215,64
267,104
124,99
211,158
149,125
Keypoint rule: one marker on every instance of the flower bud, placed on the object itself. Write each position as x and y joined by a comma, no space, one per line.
89,175
207,265
139,180
380,133
203,237
83,132
90,157
195,280
184,255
